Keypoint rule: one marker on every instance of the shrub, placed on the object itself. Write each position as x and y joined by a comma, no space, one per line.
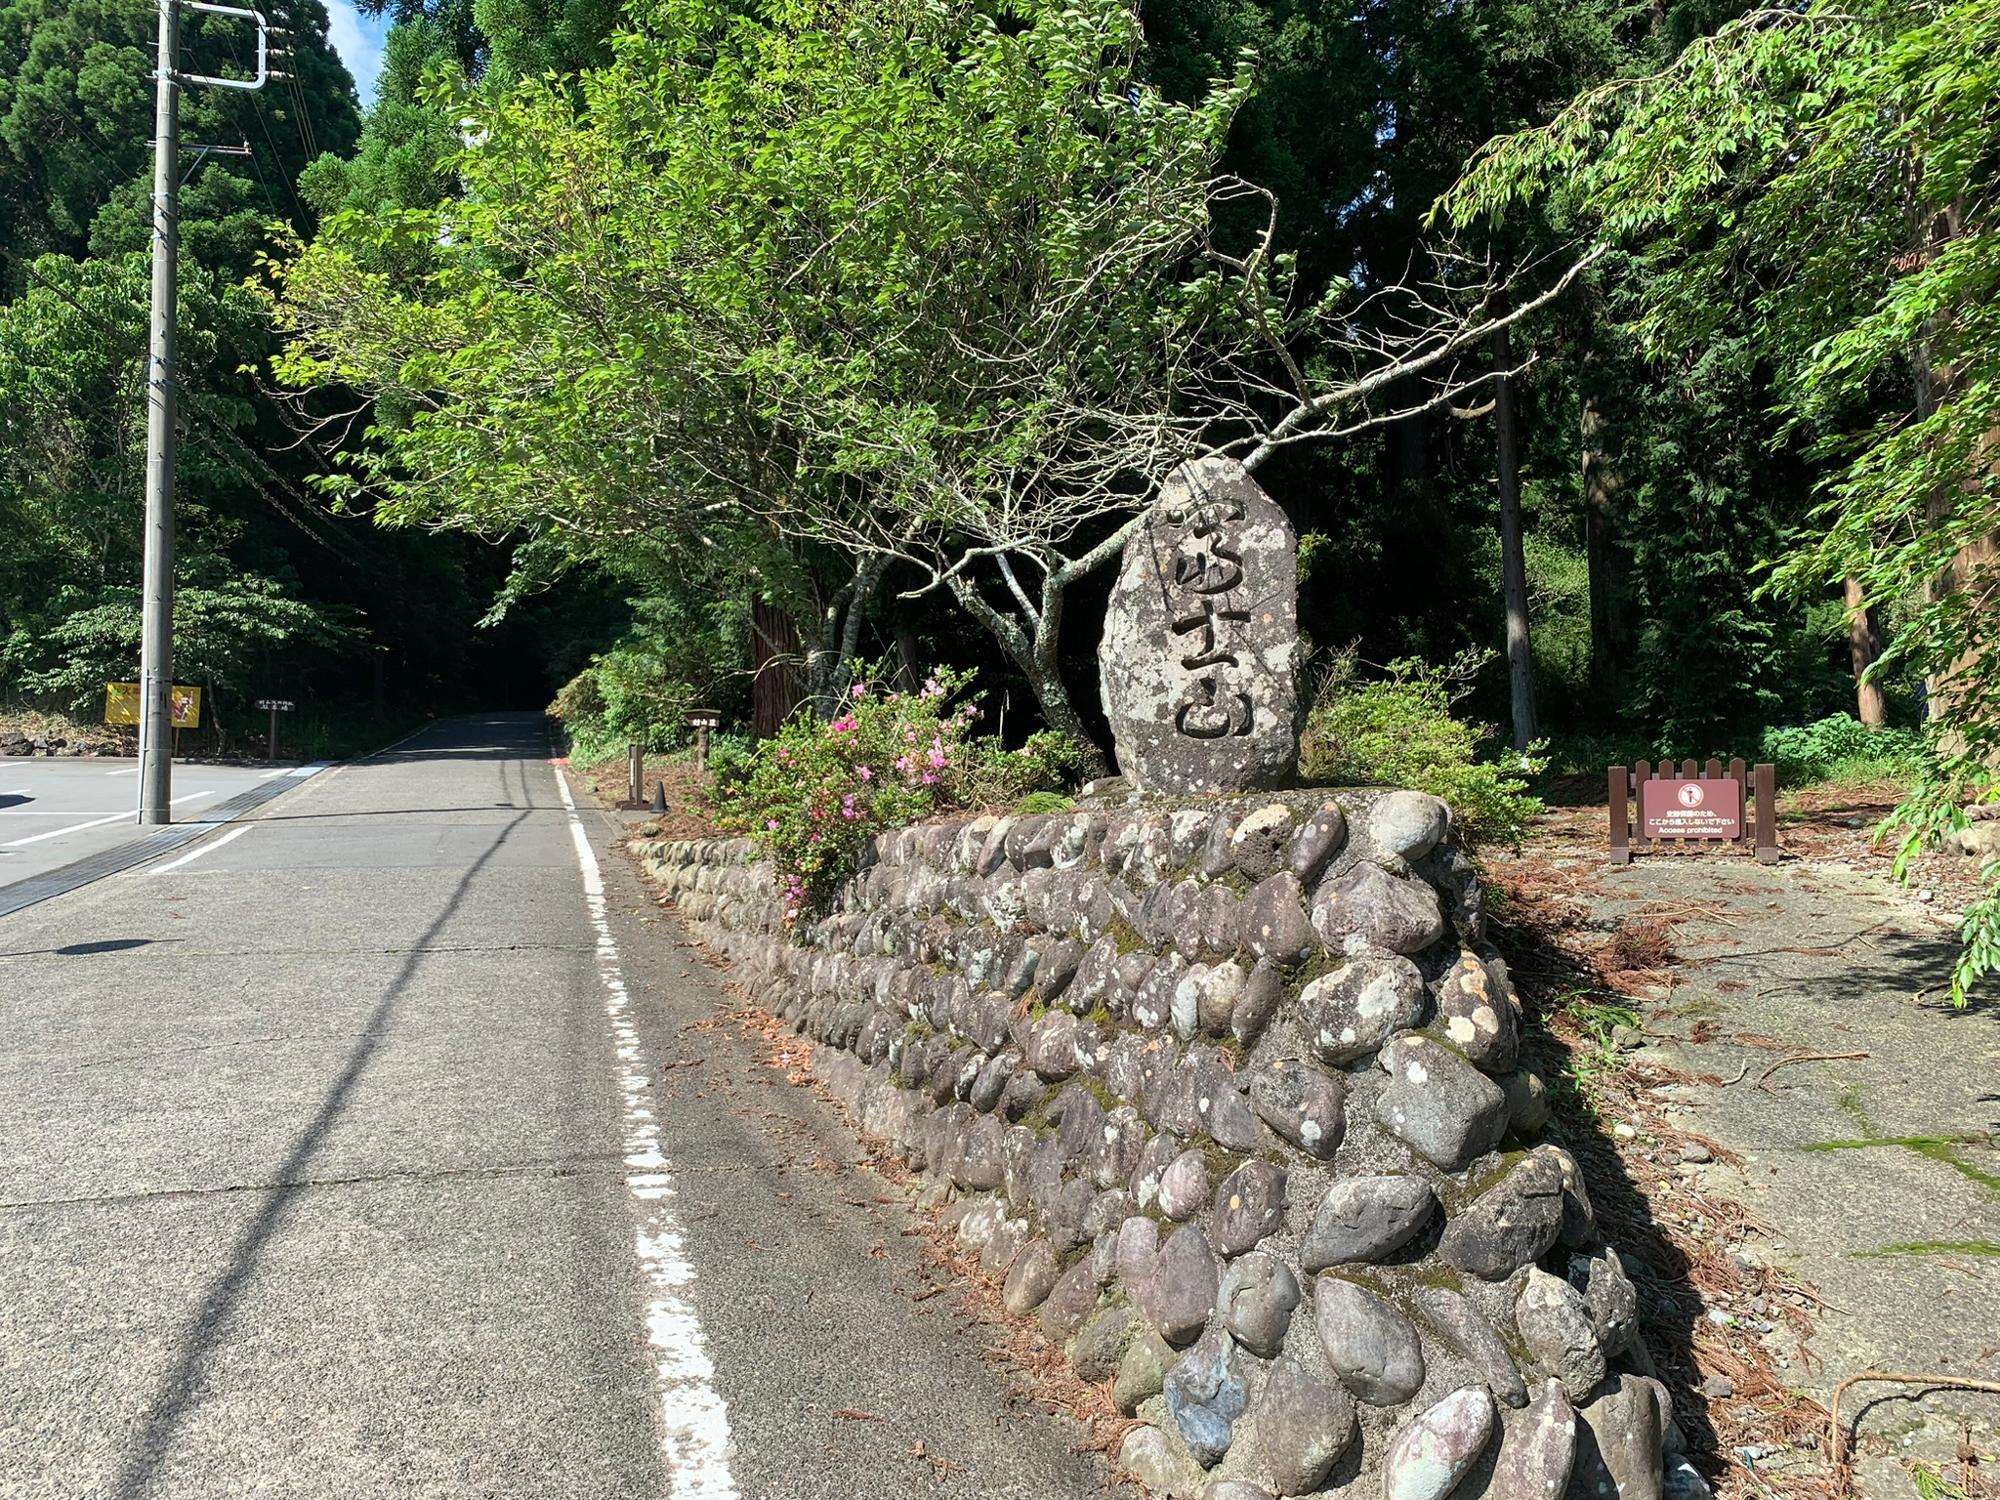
1841,748
1399,730
620,697
1045,802
817,791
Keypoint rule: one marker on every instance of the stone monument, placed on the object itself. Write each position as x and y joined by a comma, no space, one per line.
1197,665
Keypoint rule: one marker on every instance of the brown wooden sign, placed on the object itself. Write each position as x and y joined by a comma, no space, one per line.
1694,807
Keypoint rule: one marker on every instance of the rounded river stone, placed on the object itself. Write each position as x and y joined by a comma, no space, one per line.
1555,1326
1273,920
1206,1392
1365,1219
1302,1427
1509,1225
1371,1346
1439,1103
1249,1205
1435,1451
1258,1296
1370,908
1407,824
1477,1018
1304,1105
1538,1451
1353,1010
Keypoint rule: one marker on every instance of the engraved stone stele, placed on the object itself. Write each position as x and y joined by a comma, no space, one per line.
1198,663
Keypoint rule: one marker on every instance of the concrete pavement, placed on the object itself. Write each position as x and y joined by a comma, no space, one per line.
385,1144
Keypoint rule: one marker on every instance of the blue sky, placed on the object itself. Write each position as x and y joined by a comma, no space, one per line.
358,40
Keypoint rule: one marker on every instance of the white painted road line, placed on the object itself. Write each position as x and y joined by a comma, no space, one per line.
695,1441
56,833
193,854
128,771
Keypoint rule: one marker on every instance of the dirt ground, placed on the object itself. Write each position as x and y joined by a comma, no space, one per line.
1798,1132
690,813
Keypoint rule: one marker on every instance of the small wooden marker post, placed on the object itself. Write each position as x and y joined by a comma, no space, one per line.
276,706
635,774
1694,807
701,721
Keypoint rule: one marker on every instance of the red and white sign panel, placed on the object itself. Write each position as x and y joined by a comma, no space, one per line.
1691,809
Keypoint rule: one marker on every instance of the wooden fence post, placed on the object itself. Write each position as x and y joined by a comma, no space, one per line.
1767,813
1621,816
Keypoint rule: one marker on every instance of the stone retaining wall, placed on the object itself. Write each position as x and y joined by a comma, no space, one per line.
1229,1093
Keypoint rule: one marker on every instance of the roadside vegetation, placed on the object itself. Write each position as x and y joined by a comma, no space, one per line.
613,355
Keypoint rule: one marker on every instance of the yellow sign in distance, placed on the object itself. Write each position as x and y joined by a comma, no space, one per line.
121,704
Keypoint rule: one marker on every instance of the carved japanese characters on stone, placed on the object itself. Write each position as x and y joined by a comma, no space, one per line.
1197,664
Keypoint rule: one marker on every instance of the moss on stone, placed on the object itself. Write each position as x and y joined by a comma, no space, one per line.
1220,1160
1125,937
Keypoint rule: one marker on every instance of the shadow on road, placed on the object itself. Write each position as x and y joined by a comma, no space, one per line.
84,950
205,1329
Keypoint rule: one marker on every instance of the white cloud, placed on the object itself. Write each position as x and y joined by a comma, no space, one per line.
358,40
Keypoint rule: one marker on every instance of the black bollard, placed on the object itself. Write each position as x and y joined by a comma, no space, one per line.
659,796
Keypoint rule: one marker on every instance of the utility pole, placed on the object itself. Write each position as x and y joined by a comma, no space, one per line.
156,629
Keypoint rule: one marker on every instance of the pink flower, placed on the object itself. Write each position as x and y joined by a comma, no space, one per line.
843,724
909,736
815,838
864,773
931,689
772,825
860,689
930,778
903,764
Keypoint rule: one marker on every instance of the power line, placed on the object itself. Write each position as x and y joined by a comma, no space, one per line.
289,489
205,439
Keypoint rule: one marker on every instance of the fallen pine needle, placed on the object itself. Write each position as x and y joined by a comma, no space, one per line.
853,1414
1799,1057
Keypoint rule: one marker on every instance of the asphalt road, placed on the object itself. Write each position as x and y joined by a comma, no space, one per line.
54,811
388,1143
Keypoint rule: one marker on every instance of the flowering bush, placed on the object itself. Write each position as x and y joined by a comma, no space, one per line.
815,793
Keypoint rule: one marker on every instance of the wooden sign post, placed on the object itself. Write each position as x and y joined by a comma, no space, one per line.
1694,806
701,721
276,706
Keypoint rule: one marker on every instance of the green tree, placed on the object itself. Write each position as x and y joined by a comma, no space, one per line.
1817,181
909,283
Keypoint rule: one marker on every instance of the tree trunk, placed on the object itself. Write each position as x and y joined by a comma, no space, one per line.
1513,564
1033,647
1944,694
1610,641
827,665
775,686
1864,645
910,671
1060,714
